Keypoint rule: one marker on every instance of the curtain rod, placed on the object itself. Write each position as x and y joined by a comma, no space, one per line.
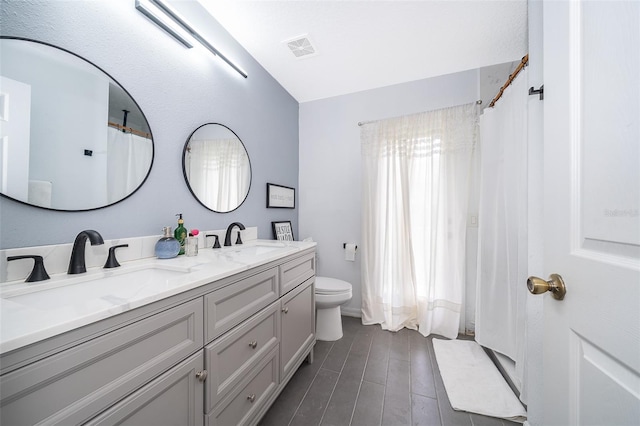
519,68
362,123
129,129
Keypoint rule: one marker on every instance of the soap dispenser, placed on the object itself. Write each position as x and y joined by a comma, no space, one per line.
167,246
181,233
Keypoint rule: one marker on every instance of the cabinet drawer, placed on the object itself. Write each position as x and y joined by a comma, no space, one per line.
229,306
75,385
229,358
296,271
242,404
174,398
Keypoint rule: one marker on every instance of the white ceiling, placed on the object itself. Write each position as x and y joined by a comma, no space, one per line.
367,44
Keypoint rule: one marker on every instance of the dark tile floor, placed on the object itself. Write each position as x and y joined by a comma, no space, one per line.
370,377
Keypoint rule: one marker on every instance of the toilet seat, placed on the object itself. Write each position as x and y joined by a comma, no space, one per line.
325,285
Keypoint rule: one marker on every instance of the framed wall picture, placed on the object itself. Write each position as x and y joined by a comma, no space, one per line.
279,196
282,230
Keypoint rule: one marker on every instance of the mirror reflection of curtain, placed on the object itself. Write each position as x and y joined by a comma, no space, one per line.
219,172
128,159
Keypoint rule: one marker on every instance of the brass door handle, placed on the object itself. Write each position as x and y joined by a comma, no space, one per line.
555,285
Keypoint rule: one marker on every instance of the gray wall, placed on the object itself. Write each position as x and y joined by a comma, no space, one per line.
178,90
330,186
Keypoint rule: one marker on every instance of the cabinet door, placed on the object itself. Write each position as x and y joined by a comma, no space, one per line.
298,326
173,399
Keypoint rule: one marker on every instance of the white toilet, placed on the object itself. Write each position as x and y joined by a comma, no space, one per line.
330,294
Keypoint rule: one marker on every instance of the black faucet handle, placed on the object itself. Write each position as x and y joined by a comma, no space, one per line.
112,262
216,243
238,240
38,273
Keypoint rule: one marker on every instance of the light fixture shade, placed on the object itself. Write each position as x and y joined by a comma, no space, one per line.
147,10
145,7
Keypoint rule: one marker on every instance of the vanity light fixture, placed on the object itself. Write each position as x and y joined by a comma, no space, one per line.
168,25
177,19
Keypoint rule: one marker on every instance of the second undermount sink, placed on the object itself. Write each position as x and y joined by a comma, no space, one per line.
258,250
108,287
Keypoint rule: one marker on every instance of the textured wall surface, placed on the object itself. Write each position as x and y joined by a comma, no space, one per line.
178,90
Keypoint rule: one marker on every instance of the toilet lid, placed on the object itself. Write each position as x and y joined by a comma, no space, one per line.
326,285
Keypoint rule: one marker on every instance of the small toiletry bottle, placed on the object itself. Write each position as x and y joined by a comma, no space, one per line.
181,233
167,246
191,248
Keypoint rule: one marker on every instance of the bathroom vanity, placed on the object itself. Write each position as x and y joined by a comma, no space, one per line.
215,344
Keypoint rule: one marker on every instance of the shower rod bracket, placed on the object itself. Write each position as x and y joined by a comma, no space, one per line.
539,91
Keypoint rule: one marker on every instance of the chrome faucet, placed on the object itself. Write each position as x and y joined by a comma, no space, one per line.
76,263
227,237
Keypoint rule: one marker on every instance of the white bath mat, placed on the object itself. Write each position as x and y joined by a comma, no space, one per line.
473,383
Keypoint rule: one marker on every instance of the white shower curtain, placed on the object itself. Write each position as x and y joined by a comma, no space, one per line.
502,221
415,192
128,160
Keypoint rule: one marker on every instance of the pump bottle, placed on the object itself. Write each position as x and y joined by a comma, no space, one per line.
181,233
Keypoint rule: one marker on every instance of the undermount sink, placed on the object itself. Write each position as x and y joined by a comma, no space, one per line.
258,249
111,287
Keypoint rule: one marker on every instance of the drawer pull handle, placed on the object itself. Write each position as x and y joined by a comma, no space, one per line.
202,375
252,397
253,344
285,310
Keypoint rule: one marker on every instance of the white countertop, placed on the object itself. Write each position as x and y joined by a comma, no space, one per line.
30,312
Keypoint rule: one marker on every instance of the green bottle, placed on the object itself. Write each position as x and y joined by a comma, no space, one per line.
180,233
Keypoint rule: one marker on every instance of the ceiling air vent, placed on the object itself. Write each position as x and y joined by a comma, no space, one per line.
301,46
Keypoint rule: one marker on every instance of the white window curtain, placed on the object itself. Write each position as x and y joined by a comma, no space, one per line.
502,226
128,160
416,173
218,172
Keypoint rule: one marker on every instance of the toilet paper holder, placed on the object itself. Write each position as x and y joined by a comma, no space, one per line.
344,246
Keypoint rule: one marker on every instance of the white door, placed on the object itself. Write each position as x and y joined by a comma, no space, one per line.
591,348
15,119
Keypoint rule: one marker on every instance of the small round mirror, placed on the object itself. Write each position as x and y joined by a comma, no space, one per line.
216,167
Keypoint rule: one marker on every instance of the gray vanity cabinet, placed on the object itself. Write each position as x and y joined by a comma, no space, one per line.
75,385
217,354
270,338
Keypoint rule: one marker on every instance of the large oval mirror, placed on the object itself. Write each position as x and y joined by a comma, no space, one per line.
216,167
72,138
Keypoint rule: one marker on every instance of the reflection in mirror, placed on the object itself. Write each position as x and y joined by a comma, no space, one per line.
72,138
216,167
